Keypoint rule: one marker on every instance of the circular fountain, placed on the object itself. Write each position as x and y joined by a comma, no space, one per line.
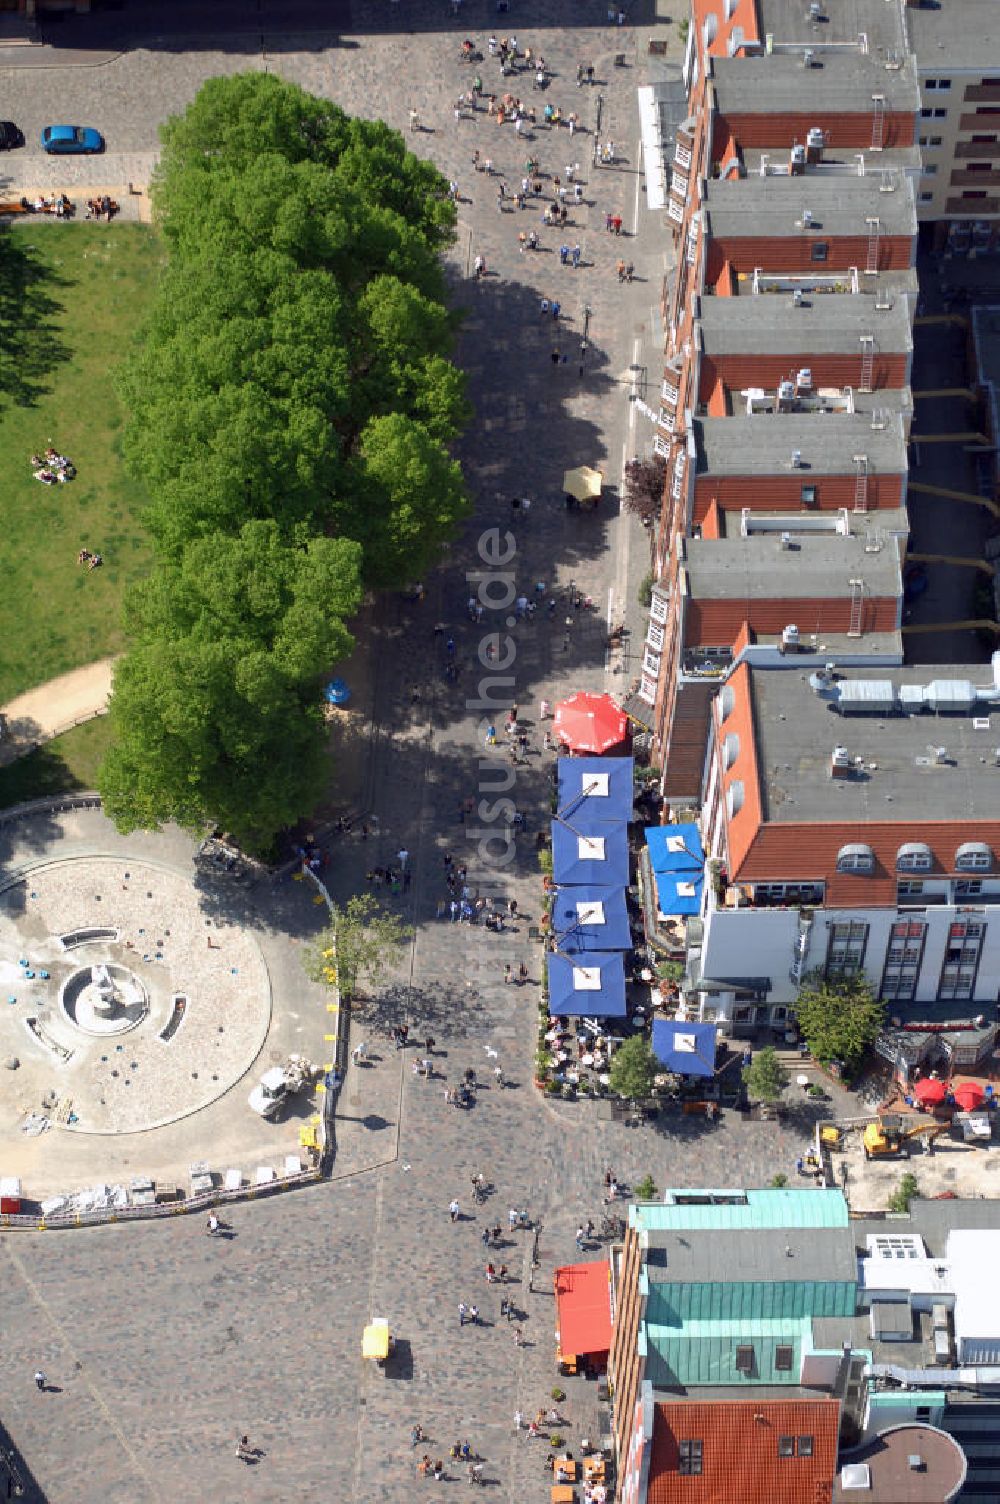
104,999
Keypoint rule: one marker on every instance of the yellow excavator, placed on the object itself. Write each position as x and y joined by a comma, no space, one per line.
891,1135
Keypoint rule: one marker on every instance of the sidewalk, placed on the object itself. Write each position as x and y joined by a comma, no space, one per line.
49,709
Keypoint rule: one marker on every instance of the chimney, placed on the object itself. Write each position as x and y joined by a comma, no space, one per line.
786,396
797,161
840,763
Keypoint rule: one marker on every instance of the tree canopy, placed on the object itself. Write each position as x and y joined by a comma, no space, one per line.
361,943
765,1077
289,409
840,1020
633,1067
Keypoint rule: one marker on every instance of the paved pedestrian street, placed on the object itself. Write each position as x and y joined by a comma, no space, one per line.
162,1345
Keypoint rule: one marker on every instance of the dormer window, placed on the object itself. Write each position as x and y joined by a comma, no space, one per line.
915,856
973,856
730,750
734,797
856,859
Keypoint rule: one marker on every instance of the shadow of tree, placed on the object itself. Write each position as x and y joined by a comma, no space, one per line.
30,343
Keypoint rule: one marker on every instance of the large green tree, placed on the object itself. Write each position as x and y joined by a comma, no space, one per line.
839,1020
362,943
633,1067
765,1077
290,404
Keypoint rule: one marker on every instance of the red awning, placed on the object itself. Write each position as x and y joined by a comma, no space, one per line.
583,1307
590,723
930,1092
969,1096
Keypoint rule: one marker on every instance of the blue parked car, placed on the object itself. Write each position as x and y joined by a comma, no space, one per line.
71,139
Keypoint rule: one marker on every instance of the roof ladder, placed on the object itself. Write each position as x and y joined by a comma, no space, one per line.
861,483
867,363
874,233
800,947
878,122
857,608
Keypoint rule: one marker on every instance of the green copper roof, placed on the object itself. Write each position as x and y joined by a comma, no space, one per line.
726,1210
705,1352
684,1306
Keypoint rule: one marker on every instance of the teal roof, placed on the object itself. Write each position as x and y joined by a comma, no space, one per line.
705,1352
726,1210
684,1306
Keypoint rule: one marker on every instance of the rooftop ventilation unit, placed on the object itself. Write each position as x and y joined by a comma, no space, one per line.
790,638
807,218
804,380
786,541
915,1462
807,58
786,396
815,11
815,142
796,459
797,299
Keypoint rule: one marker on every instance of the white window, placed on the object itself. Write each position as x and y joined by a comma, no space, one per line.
734,797
914,857
856,859
973,856
730,750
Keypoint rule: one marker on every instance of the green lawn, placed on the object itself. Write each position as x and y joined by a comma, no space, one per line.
71,297
67,762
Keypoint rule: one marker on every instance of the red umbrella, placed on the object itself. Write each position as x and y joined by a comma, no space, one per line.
590,723
929,1093
969,1096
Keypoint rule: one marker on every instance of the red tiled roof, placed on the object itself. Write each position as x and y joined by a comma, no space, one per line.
740,1461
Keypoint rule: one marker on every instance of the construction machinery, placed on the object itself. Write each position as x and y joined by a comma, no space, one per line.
891,1135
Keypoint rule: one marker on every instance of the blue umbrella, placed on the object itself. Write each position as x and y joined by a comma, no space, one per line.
336,692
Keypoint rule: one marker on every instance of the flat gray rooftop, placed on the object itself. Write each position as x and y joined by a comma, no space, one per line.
956,34
826,442
838,206
819,566
774,1255
829,325
789,21
897,159
797,731
817,648
934,1220
838,83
